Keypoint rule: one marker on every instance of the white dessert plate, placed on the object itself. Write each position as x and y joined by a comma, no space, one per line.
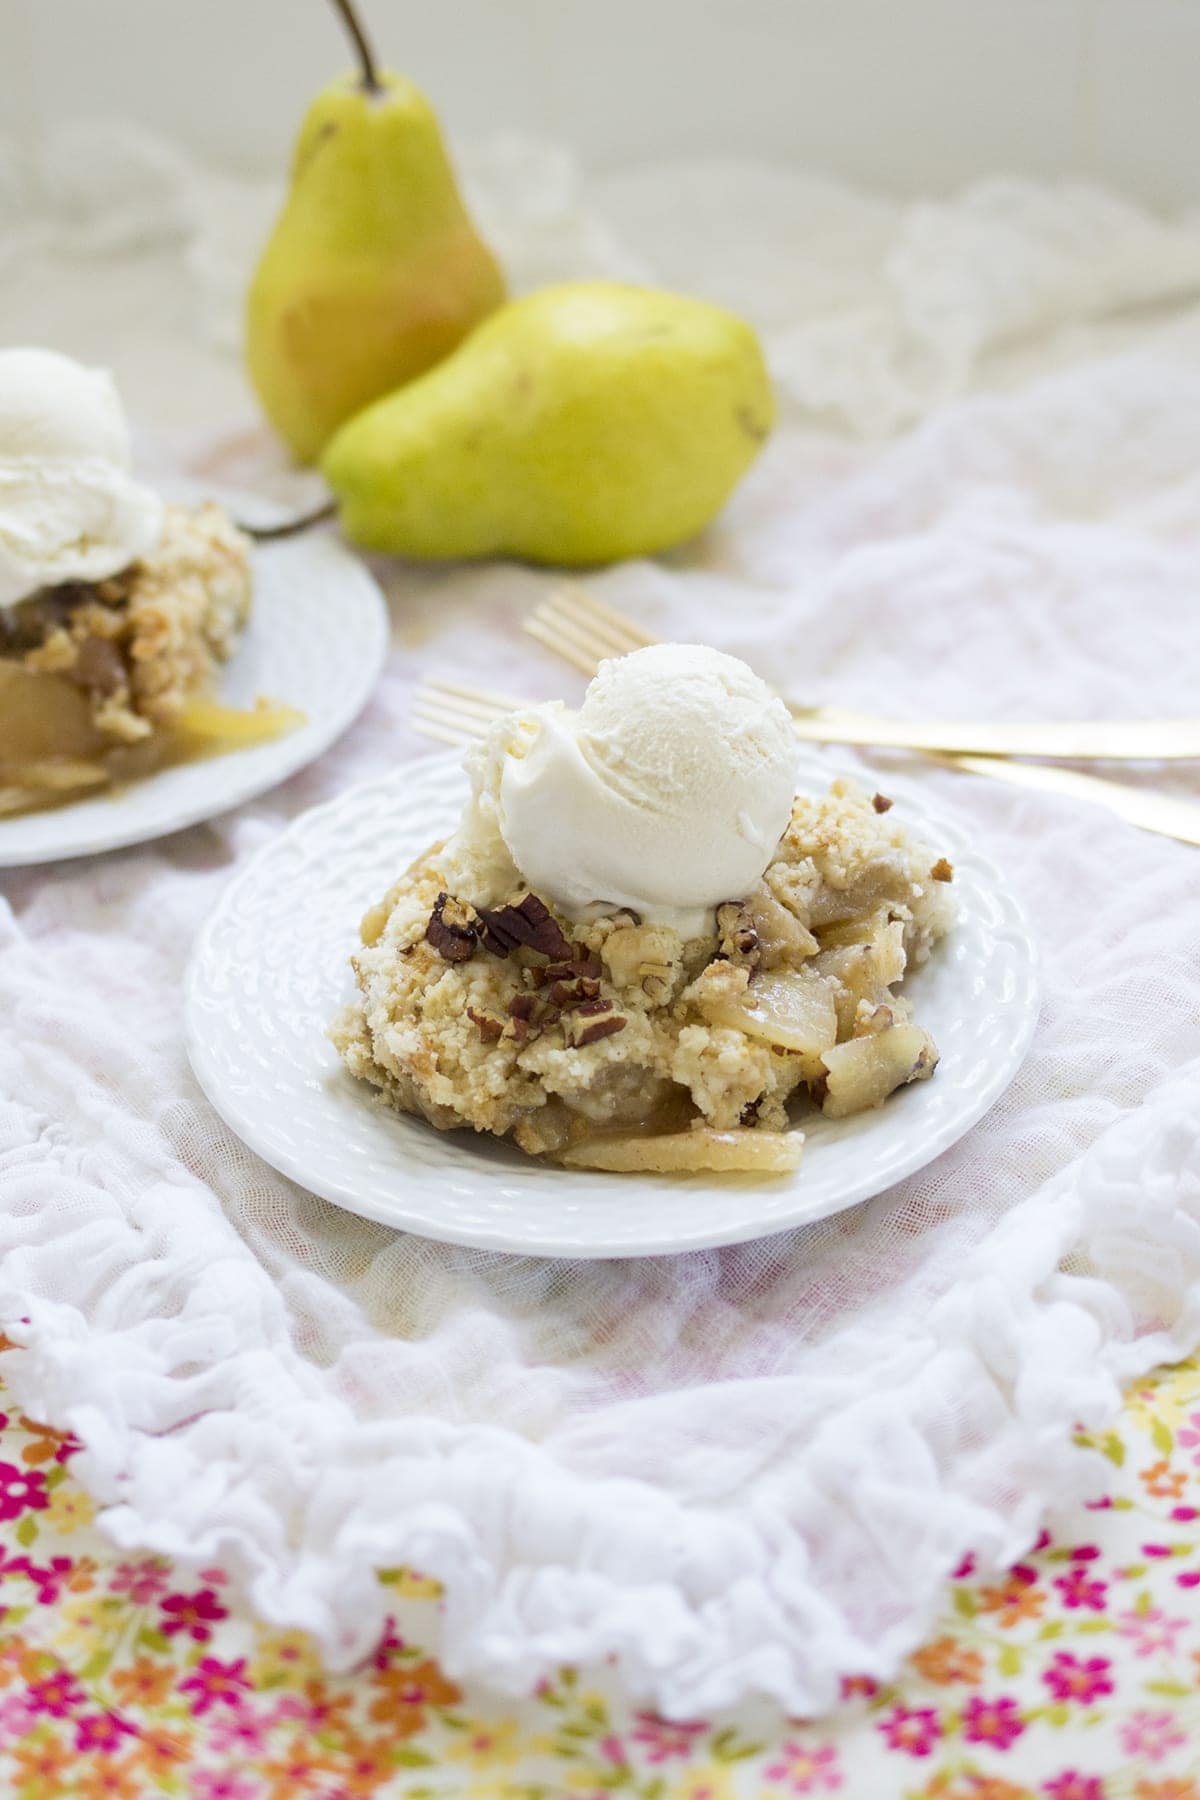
317,639
269,971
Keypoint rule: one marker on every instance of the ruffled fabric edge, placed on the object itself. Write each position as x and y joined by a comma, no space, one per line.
233,1453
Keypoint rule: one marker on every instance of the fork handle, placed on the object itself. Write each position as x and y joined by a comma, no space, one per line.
1165,814
1117,740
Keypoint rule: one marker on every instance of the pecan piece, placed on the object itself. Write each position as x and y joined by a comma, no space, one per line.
527,921
452,929
566,994
942,870
594,1020
882,804
489,1029
736,931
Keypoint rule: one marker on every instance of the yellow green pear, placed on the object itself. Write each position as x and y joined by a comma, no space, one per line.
580,424
374,271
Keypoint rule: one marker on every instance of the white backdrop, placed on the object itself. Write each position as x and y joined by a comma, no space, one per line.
911,95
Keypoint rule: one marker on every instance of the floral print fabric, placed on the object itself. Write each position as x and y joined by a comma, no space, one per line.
1075,1677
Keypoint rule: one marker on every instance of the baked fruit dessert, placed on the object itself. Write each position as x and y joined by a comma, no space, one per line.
642,946
116,610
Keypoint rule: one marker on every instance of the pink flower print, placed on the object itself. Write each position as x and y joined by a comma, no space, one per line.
213,1681
806,1768
17,1717
143,1581
1077,1588
1189,1435
859,1685
1085,1553
21,1490
391,1641
613,1750
661,1739
57,1694
214,1577
221,1784
194,1613
103,1732
915,1730
1071,1785
1150,1631
994,1722
1189,1579
49,1578
1070,1677
240,1732
1152,1735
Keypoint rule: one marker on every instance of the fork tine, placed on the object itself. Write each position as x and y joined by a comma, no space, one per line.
491,696
475,706
582,629
585,657
580,603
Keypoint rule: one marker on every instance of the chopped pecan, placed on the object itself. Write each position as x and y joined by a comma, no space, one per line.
942,870
489,1028
452,929
566,994
818,1090
99,666
882,804
736,931
522,1006
594,1020
527,921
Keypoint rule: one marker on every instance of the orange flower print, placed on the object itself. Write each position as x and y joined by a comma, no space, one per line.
1175,1787
364,1764
46,1445
295,1773
144,1682
1162,1481
110,1781
405,1694
160,1753
946,1661
1018,1598
40,1763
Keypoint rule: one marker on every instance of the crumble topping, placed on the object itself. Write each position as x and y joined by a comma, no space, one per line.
562,1036
141,643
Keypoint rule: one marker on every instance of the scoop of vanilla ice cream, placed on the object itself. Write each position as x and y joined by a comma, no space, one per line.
667,792
70,509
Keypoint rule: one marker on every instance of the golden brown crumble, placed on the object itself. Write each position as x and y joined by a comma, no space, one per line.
141,643
579,1040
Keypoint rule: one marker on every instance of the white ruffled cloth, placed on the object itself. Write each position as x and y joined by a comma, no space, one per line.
742,1471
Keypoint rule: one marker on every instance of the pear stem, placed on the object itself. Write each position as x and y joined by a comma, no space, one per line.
366,56
267,534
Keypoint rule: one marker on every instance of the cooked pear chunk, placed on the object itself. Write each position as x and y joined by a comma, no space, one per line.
862,1073
692,1152
793,1012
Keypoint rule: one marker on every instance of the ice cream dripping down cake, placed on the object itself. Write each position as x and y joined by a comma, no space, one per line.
642,949
116,609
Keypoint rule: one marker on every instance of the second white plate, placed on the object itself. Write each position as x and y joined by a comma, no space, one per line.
269,971
317,639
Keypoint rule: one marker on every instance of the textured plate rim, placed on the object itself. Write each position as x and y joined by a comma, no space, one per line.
401,1217
304,746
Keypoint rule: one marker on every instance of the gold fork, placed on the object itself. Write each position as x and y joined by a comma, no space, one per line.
584,631
455,714
577,626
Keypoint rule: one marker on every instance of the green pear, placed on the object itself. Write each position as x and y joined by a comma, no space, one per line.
577,425
374,271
